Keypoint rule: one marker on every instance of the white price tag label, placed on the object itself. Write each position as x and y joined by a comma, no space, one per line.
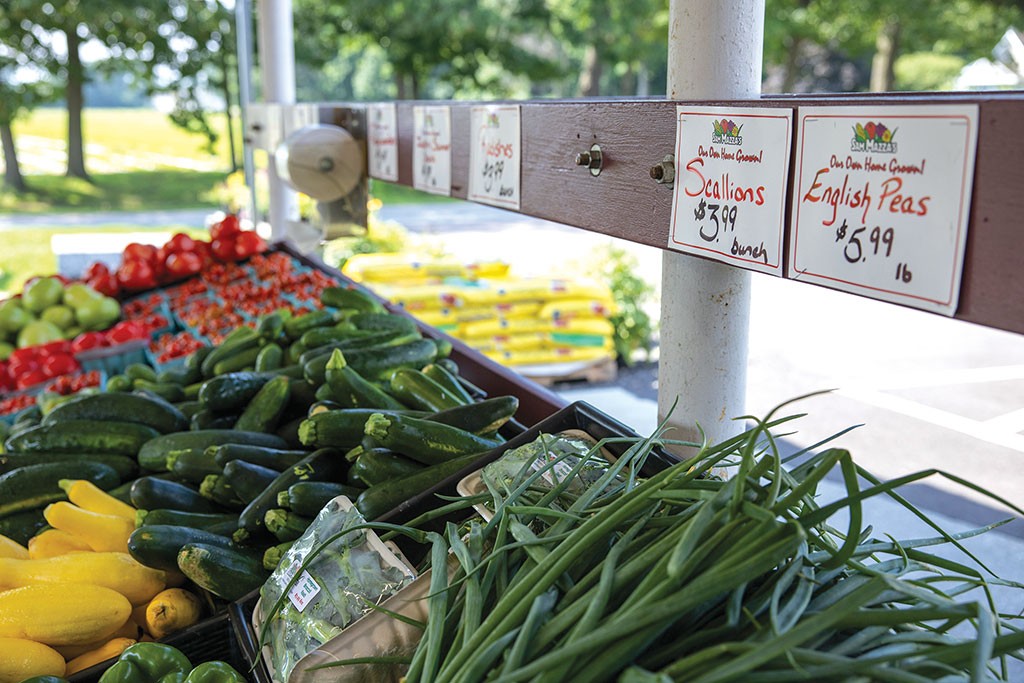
303,591
729,196
494,155
432,150
382,141
881,201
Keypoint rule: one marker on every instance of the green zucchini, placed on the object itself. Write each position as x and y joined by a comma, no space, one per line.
337,428
158,545
271,326
350,298
285,525
417,390
266,407
232,391
240,340
191,465
297,326
446,379
325,464
273,458
320,336
153,455
184,375
223,523
289,433
34,486
379,363
270,357
381,499
247,479
194,360
272,556
21,526
205,419
242,361
376,465
217,488
167,391
119,384
155,413
152,492
126,467
228,573
188,409
308,498
384,322
323,407
136,371
424,441
483,417
356,390
83,436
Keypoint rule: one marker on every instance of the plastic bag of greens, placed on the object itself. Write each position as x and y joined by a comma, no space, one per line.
340,575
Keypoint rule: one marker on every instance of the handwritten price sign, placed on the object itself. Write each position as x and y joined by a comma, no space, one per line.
494,156
881,201
432,150
382,141
729,197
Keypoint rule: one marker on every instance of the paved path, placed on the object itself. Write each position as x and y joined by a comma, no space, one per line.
195,218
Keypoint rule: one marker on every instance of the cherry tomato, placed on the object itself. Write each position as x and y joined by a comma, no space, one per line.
226,227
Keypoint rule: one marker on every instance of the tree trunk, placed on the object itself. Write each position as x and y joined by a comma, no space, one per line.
12,170
75,104
887,46
590,76
229,119
792,73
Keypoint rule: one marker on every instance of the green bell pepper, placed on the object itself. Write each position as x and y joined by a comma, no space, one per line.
215,672
149,663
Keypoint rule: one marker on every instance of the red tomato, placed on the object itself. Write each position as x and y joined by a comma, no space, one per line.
105,284
205,252
183,264
248,243
223,248
227,227
125,331
136,274
60,364
29,354
27,379
88,340
180,242
95,269
139,252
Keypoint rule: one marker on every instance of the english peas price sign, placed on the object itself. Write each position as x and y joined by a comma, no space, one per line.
881,199
729,196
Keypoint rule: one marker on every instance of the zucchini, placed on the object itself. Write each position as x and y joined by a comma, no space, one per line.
194,361
325,464
324,394
350,298
207,419
21,526
232,391
285,525
323,407
242,361
271,326
376,465
295,327
35,486
191,465
273,458
320,336
188,409
238,341
217,488
119,383
266,407
170,392
384,322
337,428
270,357
153,455
289,433
379,363
158,545
83,436
355,389
272,555
136,371
228,573
381,499
247,479
417,390
308,498
223,523
449,381
155,413
126,467
424,441
151,493
483,417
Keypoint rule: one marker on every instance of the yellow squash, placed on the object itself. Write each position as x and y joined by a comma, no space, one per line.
62,614
118,571
129,630
172,610
21,659
101,532
110,649
11,548
88,496
54,542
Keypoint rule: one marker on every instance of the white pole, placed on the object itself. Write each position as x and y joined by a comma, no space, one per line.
243,46
714,52
277,64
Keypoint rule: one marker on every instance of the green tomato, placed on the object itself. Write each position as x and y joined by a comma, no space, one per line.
13,317
78,293
43,293
39,332
60,315
5,350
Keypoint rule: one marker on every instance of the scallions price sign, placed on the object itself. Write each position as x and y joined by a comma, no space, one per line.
382,138
432,150
729,197
881,201
494,155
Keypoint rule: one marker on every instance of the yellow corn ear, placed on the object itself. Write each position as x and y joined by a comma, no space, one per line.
11,548
101,532
88,496
110,649
118,571
21,659
62,614
55,542
172,610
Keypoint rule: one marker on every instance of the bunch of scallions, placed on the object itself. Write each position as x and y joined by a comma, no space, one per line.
686,576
